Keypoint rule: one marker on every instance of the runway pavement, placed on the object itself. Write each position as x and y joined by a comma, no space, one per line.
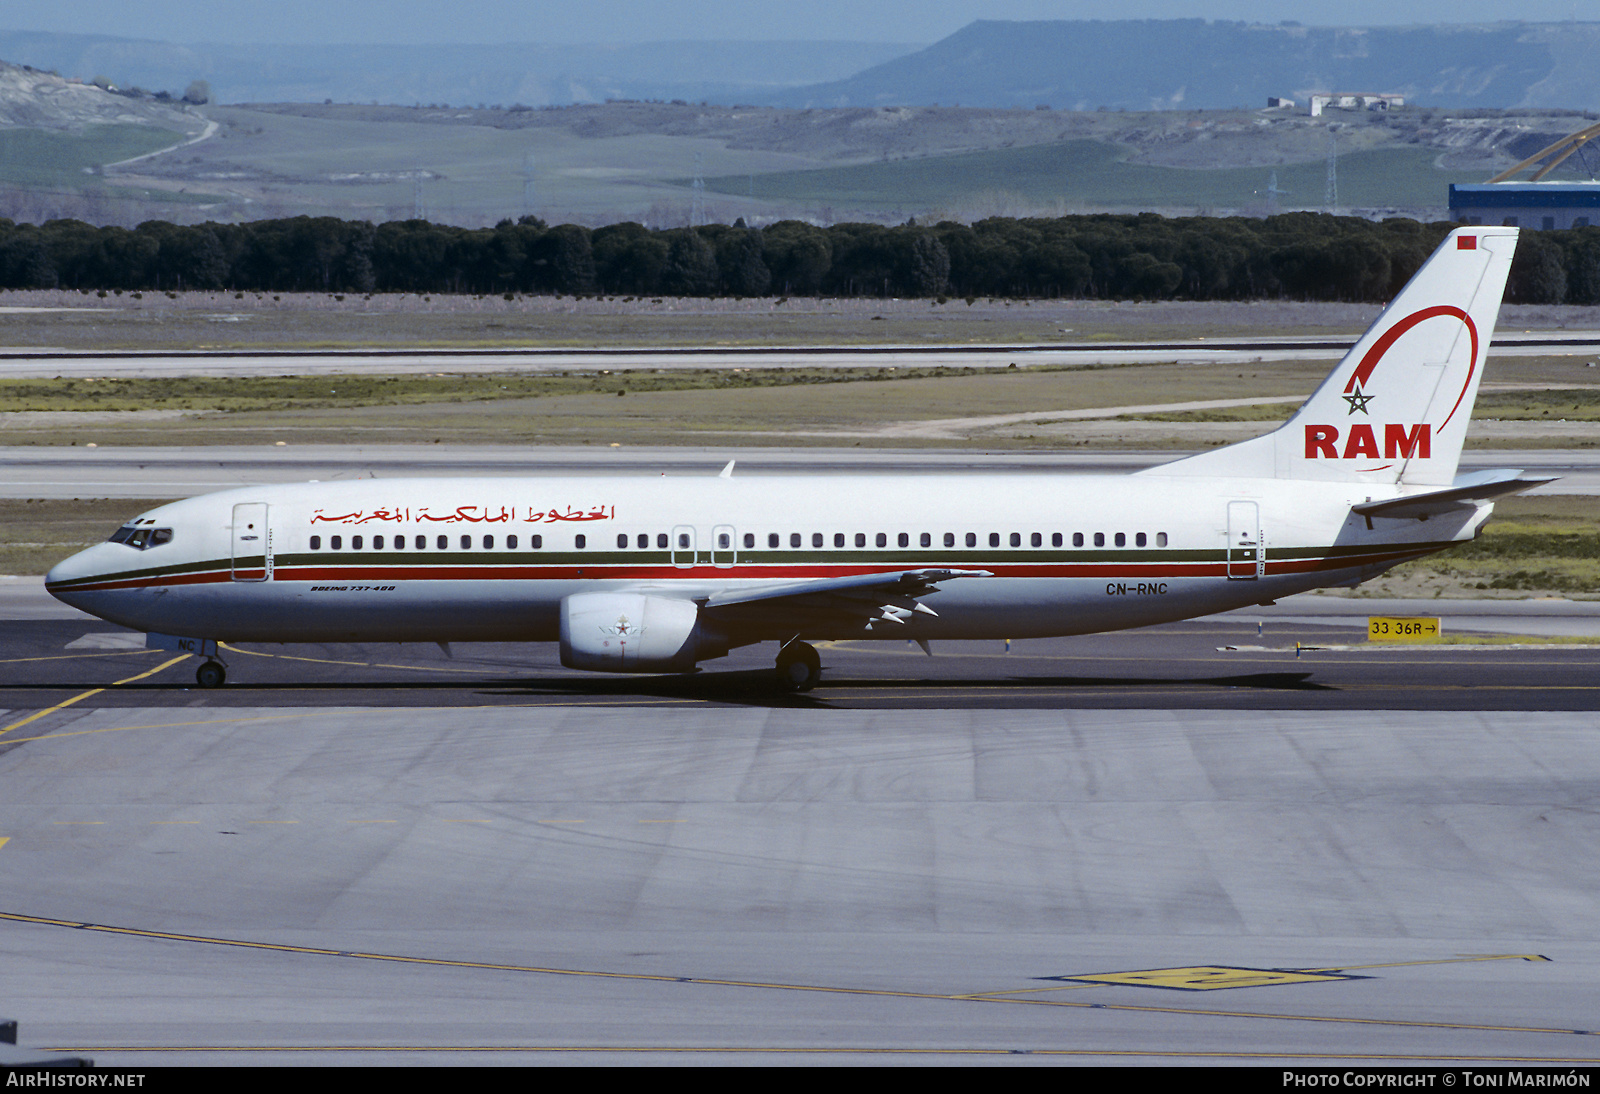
502,883
44,363
1137,847
179,472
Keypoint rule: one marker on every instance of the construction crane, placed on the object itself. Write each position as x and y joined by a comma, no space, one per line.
1566,146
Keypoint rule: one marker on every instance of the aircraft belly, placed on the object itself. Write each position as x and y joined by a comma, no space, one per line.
529,611
521,611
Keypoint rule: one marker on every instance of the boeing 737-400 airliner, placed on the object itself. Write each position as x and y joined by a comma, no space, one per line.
658,574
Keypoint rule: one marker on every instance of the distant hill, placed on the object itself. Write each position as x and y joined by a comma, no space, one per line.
1195,64
35,100
455,75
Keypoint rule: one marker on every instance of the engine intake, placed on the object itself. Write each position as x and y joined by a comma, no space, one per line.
634,632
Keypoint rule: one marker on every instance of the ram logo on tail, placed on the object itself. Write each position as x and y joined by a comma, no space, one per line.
1395,410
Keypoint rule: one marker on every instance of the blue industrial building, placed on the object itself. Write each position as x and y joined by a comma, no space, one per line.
1540,205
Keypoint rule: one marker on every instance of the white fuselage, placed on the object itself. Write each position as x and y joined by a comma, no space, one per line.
1069,554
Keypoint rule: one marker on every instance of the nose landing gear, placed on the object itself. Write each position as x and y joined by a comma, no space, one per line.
798,667
211,674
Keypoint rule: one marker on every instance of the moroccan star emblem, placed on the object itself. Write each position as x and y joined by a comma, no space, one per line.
1358,401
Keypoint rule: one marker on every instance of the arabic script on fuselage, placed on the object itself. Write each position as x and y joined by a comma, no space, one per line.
468,514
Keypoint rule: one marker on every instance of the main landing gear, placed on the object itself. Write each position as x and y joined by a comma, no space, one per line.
799,668
211,674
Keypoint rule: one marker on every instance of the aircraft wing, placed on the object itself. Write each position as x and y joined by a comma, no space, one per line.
1468,491
864,598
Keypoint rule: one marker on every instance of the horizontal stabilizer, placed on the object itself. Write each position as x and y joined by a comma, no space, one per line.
1467,492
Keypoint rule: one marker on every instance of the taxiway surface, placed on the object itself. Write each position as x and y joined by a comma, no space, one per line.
180,472
44,363
380,855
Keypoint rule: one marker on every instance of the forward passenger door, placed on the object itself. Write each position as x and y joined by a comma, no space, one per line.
252,542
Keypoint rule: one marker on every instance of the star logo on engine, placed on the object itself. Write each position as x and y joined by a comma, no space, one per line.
622,628
1357,400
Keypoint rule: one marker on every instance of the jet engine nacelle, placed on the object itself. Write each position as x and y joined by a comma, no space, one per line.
633,632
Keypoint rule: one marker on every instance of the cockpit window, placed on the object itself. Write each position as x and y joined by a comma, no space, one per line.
141,538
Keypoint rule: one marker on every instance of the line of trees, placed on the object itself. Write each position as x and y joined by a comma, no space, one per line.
1295,256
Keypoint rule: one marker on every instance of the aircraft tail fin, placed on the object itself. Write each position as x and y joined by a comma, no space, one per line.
1395,410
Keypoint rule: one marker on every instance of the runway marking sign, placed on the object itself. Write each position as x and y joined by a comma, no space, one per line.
1205,977
1382,628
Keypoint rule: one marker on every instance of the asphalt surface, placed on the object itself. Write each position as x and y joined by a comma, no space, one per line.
597,883
181,472
1288,664
43,363
1121,848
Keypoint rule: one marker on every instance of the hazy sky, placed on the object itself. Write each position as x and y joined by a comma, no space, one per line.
487,21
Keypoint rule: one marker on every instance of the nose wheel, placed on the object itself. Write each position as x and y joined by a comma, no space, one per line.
799,668
211,674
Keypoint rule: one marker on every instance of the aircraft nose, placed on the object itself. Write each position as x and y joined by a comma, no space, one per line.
67,573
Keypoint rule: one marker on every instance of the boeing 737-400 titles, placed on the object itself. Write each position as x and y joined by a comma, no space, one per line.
659,574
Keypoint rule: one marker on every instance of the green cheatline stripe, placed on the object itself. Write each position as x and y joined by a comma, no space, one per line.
1357,550
255,563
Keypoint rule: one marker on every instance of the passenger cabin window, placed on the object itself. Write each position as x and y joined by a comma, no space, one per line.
794,539
316,543
1099,539
838,539
355,543
1077,539
466,542
580,541
511,542
816,539
972,539
749,540
336,542
488,543
1161,539
772,539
